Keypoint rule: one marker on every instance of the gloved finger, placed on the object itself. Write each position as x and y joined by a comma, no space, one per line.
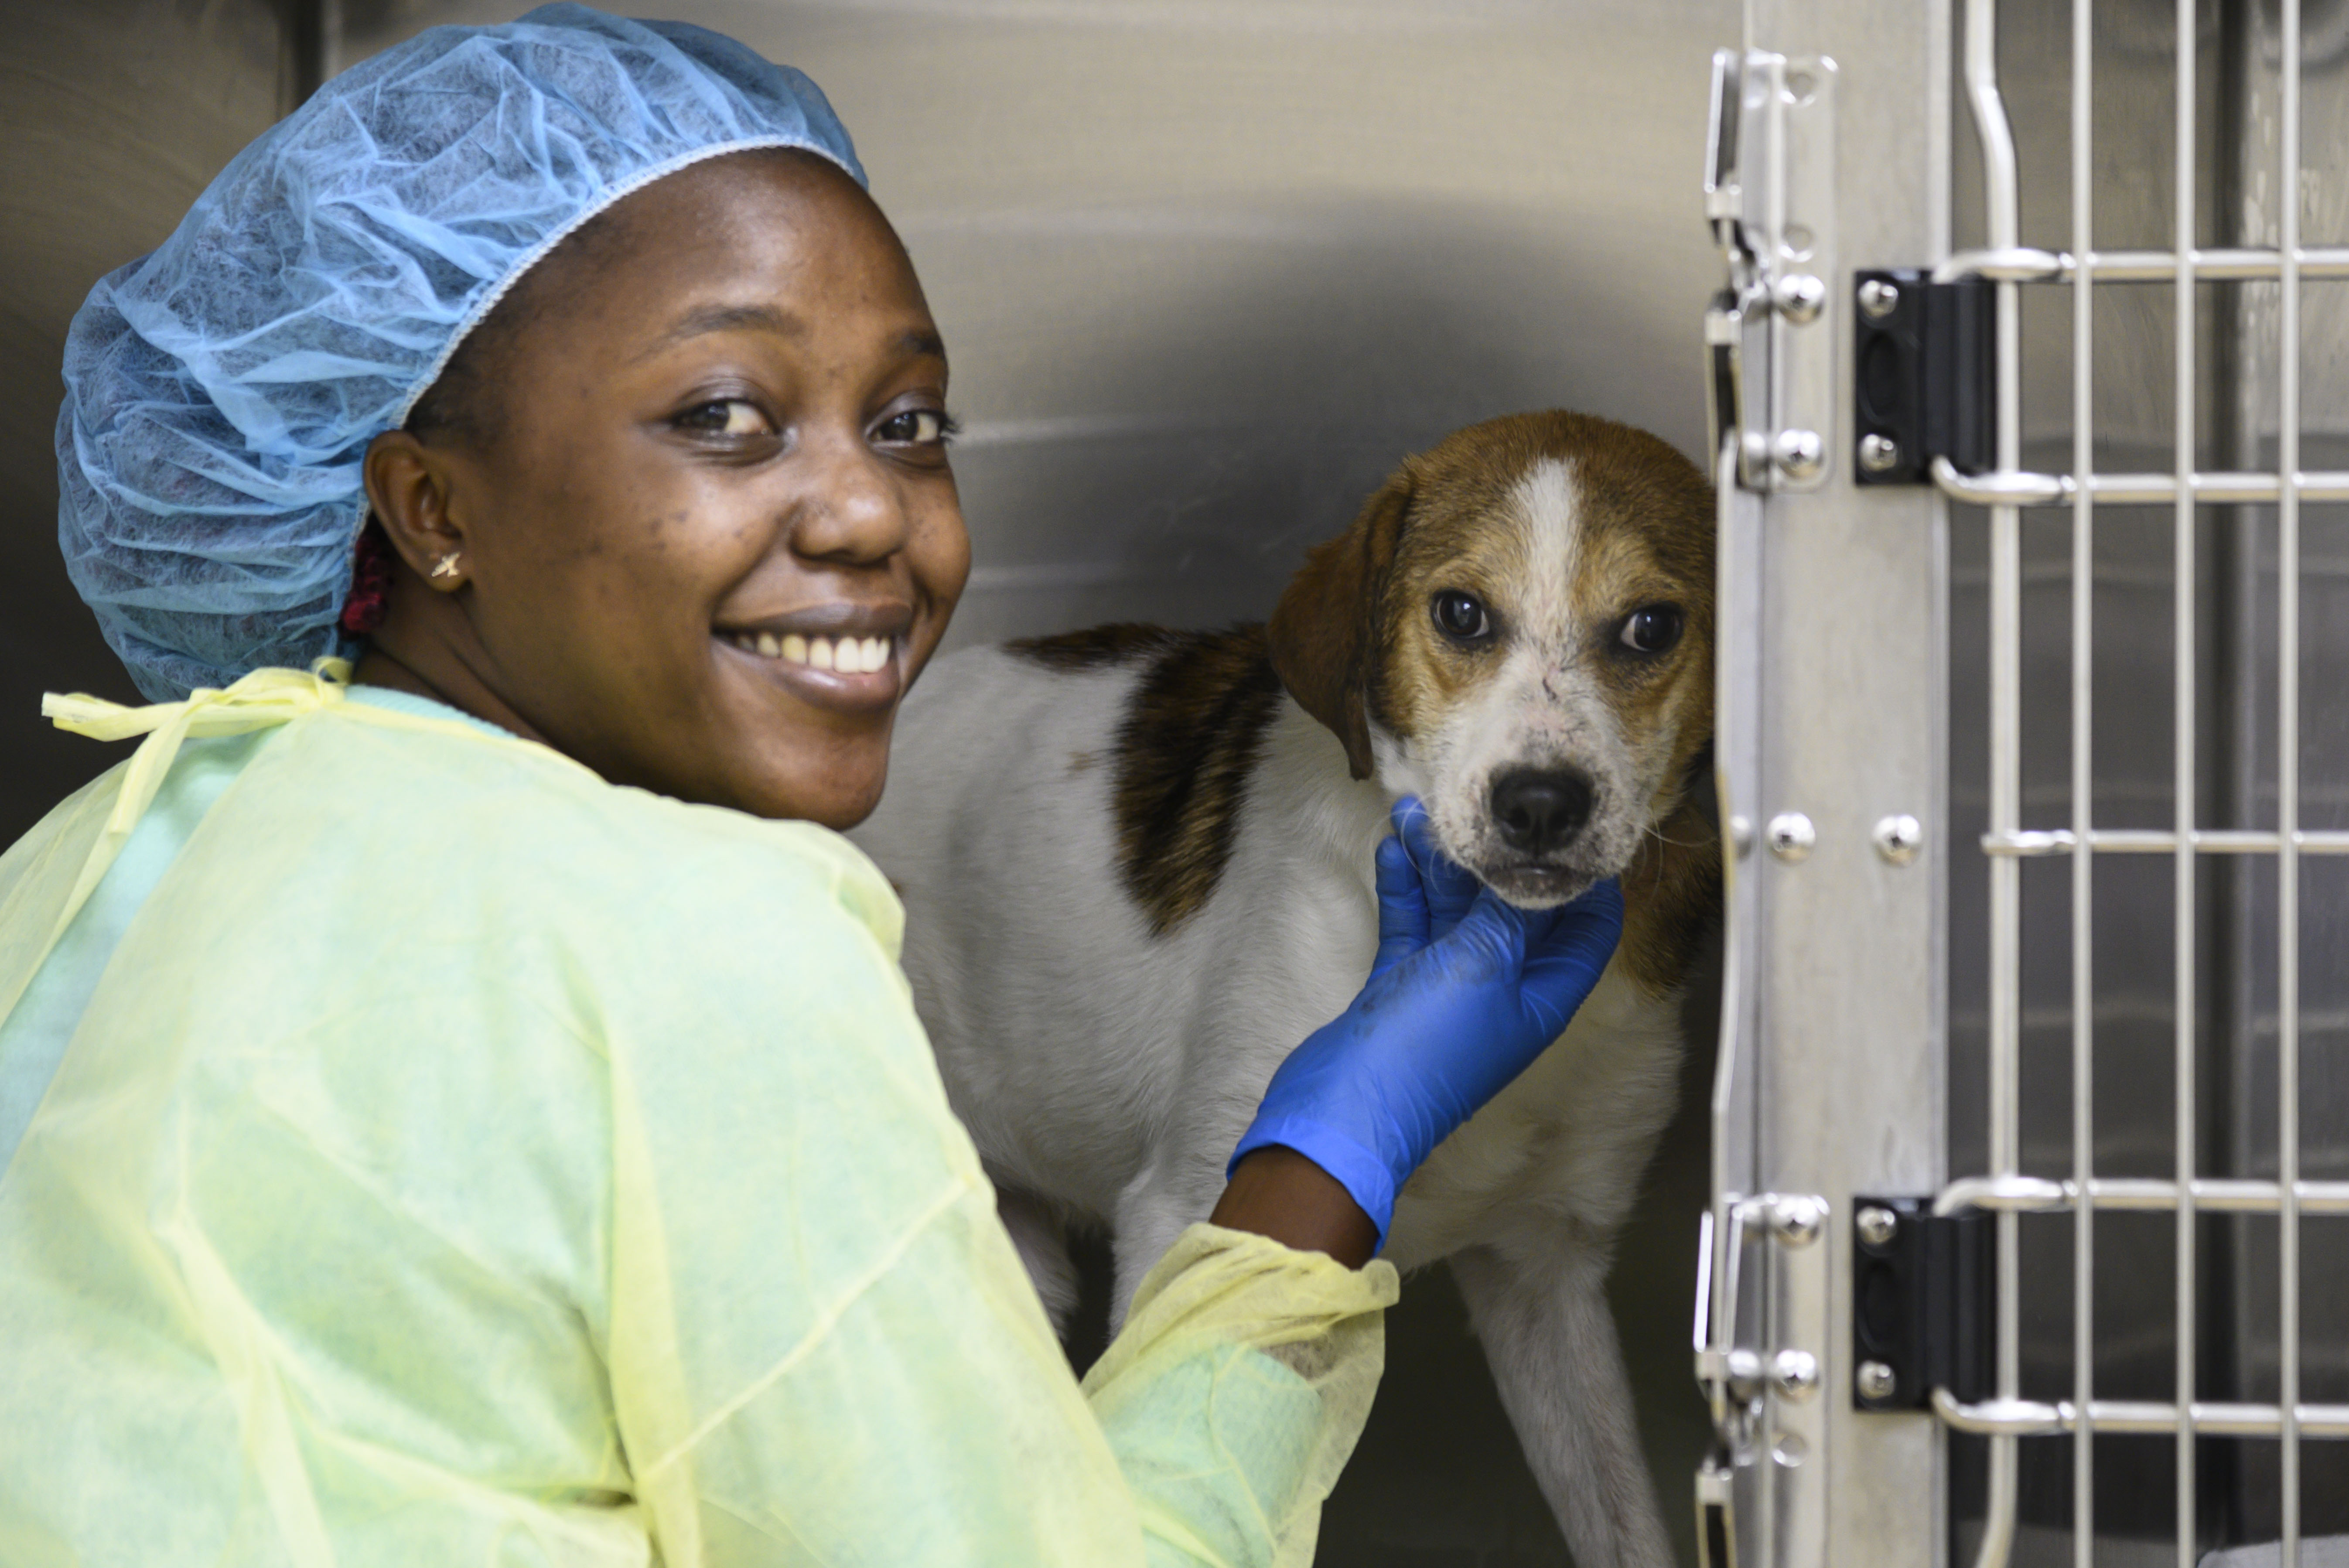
1402,907
1451,888
1487,944
1564,962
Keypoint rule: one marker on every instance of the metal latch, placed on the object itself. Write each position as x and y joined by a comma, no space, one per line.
1922,374
1924,1308
1716,1511
1769,195
1734,1372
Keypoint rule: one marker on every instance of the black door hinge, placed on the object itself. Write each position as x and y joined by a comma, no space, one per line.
1924,1308
1922,383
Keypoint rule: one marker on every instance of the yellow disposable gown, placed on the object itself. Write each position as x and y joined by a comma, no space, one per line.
424,1152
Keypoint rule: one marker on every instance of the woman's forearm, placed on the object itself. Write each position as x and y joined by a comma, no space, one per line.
1279,1194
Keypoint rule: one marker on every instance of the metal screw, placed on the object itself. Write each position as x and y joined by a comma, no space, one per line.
1792,835
1744,1368
1900,838
1800,297
1877,298
1741,834
1788,1449
1794,1374
1796,1218
1878,453
1878,1225
1876,1381
1801,455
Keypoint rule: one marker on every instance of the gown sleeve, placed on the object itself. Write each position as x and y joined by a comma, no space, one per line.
822,1347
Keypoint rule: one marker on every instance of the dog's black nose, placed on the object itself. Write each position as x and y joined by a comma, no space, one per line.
1540,810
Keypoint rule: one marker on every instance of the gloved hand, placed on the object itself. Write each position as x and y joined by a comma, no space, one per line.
1466,992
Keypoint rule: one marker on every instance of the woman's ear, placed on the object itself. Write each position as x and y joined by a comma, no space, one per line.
408,486
1324,631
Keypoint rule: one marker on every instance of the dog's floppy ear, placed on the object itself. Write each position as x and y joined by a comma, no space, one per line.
1325,633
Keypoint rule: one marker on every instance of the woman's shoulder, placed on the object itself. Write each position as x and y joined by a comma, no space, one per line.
489,814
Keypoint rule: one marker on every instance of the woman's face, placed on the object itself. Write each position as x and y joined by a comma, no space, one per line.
712,534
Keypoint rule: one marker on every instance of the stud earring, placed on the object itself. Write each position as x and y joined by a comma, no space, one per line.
446,566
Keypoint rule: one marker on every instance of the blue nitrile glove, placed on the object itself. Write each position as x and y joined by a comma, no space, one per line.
1464,993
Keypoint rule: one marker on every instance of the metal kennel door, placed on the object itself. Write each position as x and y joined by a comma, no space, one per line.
2031,1110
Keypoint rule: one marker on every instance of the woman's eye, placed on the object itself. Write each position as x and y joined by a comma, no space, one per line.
1462,616
915,427
726,417
1652,629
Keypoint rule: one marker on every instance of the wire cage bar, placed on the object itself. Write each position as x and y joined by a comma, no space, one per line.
2291,1200
2085,272
2007,488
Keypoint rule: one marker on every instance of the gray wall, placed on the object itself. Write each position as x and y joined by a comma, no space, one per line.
1207,269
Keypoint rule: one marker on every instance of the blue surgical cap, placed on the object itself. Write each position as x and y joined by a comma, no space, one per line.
221,393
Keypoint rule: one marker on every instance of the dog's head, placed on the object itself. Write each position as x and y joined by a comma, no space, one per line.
1518,629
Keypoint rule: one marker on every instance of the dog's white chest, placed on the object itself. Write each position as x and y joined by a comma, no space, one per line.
1564,1145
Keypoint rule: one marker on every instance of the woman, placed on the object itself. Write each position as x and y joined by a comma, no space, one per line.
466,1109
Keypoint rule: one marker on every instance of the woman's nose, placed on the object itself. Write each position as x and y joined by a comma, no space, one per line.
854,509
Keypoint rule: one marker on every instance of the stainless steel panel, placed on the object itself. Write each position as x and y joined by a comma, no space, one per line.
1846,627
113,115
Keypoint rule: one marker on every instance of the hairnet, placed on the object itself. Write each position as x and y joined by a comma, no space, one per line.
221,392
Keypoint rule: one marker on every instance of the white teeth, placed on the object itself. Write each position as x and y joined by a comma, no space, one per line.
847,655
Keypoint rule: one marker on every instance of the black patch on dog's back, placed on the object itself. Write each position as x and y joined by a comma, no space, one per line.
1096,647
1192,731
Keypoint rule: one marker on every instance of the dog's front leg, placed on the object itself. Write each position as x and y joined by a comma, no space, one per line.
1550,1341
1172,1193
1041,1237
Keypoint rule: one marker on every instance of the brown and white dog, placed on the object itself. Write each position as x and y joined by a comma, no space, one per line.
1137,863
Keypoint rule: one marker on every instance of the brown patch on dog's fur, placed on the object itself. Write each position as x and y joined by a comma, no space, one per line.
1096,647
1185,750
1629,487
1672,897
1325,632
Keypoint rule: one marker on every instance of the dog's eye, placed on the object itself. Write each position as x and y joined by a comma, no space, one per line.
1652,629
1460,616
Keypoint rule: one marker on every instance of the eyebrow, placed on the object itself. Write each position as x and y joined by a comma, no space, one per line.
709,318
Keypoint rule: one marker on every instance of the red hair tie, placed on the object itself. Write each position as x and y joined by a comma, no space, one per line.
371,599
